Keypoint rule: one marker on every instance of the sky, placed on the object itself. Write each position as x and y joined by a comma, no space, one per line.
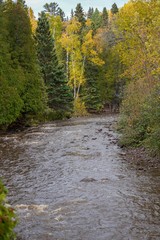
66,6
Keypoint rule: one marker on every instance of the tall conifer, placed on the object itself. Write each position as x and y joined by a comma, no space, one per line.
96,20
79,14
114,8
90,90
90,12
53,9
60,97
104,17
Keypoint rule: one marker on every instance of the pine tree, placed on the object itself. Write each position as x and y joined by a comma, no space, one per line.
104,17
114,9
60,97
79,14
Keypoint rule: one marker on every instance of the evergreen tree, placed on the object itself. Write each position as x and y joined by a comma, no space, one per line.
53,9
45,46
23,3
104,17
24,60
79,14
96,20
10,100
90,92
72,13
60,97
114,9
90,12
61,14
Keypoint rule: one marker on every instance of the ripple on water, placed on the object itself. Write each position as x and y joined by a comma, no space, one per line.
69,180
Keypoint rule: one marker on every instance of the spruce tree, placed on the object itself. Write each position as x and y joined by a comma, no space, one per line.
79,14
114,8
90,12
104,17
60,97
72,13
90,92
96,20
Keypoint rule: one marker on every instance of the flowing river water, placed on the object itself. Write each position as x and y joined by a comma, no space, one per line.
69,180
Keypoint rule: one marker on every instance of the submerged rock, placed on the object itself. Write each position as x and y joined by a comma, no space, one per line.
88,180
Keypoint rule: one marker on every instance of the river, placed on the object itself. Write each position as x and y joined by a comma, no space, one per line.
69,180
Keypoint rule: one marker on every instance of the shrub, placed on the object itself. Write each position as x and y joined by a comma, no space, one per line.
52,115
142,128
7,216
79,108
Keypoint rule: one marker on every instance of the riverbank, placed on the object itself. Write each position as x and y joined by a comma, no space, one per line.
141,159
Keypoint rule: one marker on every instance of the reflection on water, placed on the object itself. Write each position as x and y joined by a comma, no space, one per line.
69,181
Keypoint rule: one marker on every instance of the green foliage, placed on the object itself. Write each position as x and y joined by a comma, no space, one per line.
96,20
114,8
52,115
104,17
111,85
10,101
143,126
79,14
132,123
53,9
10,104
19,73
34,97
79,108
56,29
140,112
90,90
151,117
59,93
90,12
7,217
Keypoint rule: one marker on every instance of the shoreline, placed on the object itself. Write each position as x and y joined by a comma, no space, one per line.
141,159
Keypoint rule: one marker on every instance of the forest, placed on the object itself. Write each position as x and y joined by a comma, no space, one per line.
56,67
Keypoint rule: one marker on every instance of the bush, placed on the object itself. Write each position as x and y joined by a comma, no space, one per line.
79,108
142,128
52,115
151,113
7,216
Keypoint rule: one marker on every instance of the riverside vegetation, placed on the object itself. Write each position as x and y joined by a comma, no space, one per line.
7,216
56,67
